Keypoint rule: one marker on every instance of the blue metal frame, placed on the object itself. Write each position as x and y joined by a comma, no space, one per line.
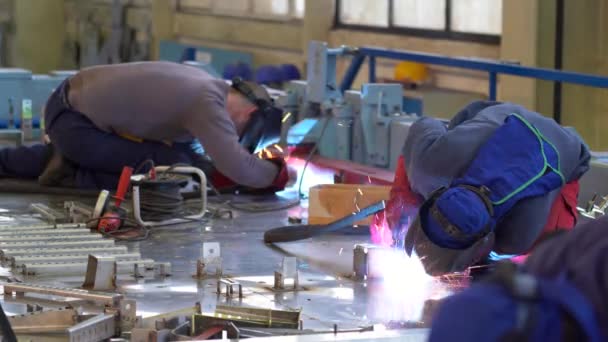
493,68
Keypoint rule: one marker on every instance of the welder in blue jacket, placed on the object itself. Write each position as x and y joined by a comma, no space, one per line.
489,180
560,294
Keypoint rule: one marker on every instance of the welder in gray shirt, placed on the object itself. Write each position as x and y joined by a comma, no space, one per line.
111,116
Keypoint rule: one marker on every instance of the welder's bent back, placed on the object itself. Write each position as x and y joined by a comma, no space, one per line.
162,101
438,156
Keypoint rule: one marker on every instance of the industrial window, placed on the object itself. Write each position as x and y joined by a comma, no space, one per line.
266,9
476,20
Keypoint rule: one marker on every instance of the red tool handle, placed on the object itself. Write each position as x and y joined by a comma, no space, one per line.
123,185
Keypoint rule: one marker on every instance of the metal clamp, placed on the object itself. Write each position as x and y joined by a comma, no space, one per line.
229,285
288,271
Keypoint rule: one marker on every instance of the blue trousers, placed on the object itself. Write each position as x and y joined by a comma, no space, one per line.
99,156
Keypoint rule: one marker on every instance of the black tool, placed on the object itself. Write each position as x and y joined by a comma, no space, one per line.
301,232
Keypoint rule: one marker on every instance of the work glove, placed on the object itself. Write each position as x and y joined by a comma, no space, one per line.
224,184
389,227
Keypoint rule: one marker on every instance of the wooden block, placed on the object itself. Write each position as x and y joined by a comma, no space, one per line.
330,202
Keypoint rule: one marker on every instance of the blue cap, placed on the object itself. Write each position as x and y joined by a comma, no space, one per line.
464,210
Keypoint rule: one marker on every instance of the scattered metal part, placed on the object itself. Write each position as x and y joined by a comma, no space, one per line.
251,316
294,219
288,271
128,314
12,255
367,259
78,212
360,262
33,308
50,215
211,258
229,285
122,267
181,332
110,299
52,321
137,271
594,210
98,328
159,322
77,258
101,273
210,328
163,268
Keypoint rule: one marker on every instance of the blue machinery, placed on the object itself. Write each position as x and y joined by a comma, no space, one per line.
369,126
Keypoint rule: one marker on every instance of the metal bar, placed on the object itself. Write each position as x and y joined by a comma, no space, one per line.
44,226
56,244
372,69
71,232
45,238
98,328
492,84
122,267
111,299
489,66
49,214
50,252
80,258
352,71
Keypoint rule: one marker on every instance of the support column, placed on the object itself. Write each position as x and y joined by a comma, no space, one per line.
163,13
39,34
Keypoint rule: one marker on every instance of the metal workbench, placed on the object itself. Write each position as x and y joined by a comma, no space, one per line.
328,295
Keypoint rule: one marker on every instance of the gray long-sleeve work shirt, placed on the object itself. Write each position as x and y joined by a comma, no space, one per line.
163,101
436,154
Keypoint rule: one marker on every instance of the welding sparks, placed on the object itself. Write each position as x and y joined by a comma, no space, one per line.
405,279
286,117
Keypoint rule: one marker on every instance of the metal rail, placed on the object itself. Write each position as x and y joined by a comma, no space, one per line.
492,67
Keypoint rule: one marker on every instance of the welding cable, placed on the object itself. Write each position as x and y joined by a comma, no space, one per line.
133,226
7,331
310,155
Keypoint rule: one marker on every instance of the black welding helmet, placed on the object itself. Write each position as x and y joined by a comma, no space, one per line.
264,125
453,230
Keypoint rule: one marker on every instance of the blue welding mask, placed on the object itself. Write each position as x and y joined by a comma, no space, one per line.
264,125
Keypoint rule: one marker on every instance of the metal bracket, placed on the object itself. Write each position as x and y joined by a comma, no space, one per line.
101,273
44,321
288,271
229,285
98,328
211,258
